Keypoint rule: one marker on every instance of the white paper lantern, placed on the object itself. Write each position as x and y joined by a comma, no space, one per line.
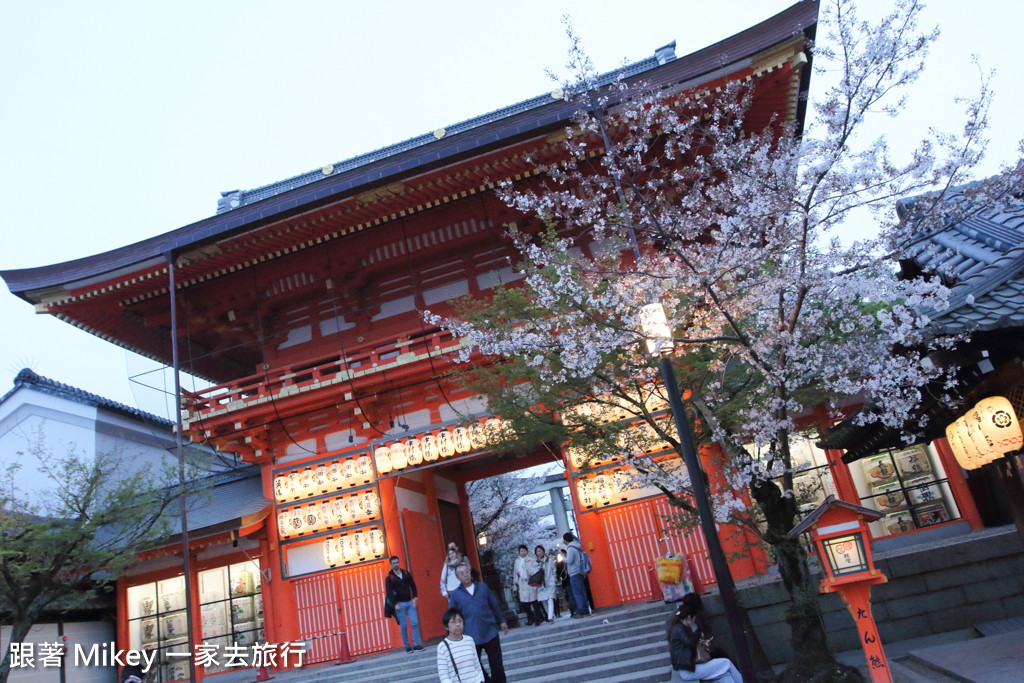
306,481
414,451
353,510
585,493
331,555
357,546
375,542
296,522
963,448
493,429
336,476
284,528
429,445
351,475
341,514
328,520
282,488
620,485
460,436
296,485
383,457
371,504
311,516
602,489
999,423
364,469
399,459
445,444
478,435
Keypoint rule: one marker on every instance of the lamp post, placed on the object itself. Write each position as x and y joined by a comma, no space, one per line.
659,343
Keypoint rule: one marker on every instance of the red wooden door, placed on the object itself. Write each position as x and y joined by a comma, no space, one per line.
363,607
426,555
319,621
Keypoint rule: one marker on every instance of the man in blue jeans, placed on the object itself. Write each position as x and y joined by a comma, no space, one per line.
400,591
574,565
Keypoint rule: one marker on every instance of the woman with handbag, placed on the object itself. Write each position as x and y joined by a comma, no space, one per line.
546,588
691,654
453,558
524,568
457,660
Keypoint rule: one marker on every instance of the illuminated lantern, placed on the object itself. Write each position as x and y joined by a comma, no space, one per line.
341,550
306,482
336,476
375,542
445,444
383,457
326,513
602,489
493,429
399,459
620,485
296,522
576,458
371,504
320,479
364,469
341,515
478,435
357,546
585,493
999,423
282,487
414,451
311,516
296,485
284,527
351,475
353,511
963,447
460,436
331,555
429,445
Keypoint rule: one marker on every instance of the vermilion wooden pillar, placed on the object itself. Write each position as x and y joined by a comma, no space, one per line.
280,612
594,539
845,488
745,552
468,532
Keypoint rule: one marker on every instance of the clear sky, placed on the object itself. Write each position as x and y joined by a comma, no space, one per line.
121,120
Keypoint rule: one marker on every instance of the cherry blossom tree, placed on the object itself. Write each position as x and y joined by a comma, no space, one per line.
743,233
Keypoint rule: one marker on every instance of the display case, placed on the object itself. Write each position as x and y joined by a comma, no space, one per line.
230,608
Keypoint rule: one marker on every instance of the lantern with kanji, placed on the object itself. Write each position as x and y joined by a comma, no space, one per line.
839,534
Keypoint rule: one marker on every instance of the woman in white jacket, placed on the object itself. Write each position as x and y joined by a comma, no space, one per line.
523,569
546,591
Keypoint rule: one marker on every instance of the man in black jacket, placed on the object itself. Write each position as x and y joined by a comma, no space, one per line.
400,591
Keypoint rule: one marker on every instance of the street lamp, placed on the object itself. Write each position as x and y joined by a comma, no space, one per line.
654,325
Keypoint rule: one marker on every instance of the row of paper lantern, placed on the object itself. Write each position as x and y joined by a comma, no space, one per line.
639,438
430,447
313,481
604,489
328,514
985,433
616,409
362,545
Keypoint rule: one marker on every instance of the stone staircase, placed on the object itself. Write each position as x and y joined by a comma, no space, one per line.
630,647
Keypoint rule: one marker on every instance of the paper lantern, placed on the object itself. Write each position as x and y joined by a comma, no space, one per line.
414,451
351,474
320,478
963,446
284,527
311,516
399,459
336,476
308,488
282,488
375,542
370,504
328,520
460,437
576,457
357,547
585,493
429,445
602,489
493,430
296,485
445,443
383,457
364,469
332,554
478,435
999,423
341,514
620,485
353,510
296,522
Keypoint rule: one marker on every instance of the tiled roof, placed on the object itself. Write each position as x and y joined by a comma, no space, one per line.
982,258
231,496
28,378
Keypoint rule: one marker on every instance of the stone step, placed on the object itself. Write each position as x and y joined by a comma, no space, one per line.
629,647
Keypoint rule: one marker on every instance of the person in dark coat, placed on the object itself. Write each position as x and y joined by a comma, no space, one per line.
684,645
400,591
483,620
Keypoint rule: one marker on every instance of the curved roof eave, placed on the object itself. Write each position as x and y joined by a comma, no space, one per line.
485,131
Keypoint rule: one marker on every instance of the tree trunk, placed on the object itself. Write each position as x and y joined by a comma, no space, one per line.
19,629
812,659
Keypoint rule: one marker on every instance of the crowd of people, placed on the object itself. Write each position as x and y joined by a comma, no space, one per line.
474,621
